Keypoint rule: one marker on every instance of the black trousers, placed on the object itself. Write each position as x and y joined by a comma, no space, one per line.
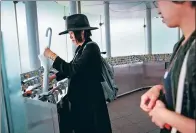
64,116
67,115
80,118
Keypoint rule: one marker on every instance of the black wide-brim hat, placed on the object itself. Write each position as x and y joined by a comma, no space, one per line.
77,22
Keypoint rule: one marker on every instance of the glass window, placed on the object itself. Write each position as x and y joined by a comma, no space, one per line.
127,33
8,27
127,36
23,37
94,11
50,14
98,35
163,38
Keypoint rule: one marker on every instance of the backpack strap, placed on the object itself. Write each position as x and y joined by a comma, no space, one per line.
88,44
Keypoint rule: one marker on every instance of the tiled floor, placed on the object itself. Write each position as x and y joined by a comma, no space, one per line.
127,117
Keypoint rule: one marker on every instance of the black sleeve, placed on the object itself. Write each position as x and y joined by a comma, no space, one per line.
69,69
59,76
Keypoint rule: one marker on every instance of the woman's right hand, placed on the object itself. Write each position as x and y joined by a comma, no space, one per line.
148,99
52,77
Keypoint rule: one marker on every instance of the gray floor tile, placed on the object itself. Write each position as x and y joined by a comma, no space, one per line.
127,117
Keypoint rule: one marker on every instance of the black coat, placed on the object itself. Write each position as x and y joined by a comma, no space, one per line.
89,113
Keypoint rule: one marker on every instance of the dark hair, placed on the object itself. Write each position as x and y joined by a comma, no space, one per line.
78,36
193,3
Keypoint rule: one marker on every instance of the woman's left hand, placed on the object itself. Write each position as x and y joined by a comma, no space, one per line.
157,114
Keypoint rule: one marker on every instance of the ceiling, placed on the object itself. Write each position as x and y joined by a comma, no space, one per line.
118,9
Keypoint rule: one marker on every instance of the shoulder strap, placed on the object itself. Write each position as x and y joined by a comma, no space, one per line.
88,44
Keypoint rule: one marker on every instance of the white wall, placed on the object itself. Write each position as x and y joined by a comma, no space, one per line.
50,14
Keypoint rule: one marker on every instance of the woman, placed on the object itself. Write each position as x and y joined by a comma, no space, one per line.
89,113
176,14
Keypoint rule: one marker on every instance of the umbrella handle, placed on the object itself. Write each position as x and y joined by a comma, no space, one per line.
50,37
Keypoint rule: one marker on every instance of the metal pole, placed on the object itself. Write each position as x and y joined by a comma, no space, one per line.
66,47
79,7
149,29
107,28
1,88
73,7
179,34
18,40
73,10
33,35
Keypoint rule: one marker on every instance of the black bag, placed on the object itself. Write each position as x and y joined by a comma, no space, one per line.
109,86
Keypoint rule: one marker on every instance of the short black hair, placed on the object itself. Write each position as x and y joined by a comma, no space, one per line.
78,35
193,3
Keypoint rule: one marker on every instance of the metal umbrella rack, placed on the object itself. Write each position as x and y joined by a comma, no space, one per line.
32,87
35,84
